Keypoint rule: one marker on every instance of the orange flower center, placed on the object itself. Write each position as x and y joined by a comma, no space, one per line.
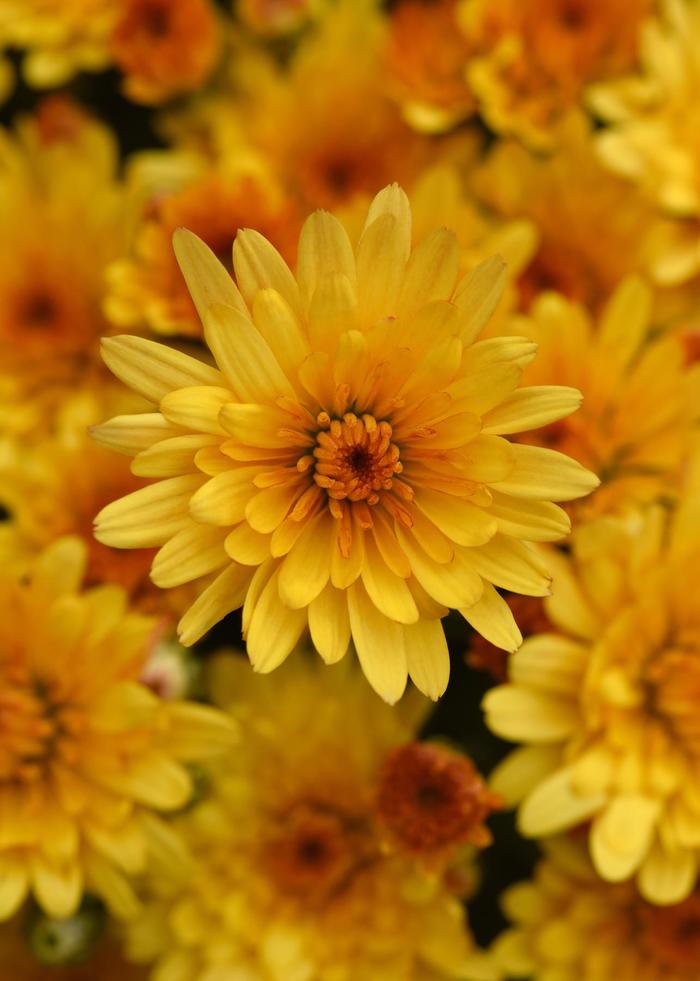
355,458
674,694
32,724
316,852
431,799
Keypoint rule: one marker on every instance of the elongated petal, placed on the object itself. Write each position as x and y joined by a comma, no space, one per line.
281,329
225,594
380,645
131,434
195,551
244,356
207,280
461,521
554,806
431,272
454,584
329,623
478,294
532,407
324,250
197,408
255,425
540,473
149,516
305,570
493,619
152,369
621,836
222,500
427,657
533,521
274,629
388,592
259,266
381,255
512,565
171,457
524,714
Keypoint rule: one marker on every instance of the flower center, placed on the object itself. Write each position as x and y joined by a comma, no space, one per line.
673,683
30,724
431,799
355,458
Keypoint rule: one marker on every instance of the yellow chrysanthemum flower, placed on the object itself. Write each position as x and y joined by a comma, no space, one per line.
343,467
318,856
88,756
607,703
571,257
571,926
55,485
641,402
533,60
654,116
57,174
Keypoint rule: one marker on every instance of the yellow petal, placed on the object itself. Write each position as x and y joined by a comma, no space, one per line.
431,272
324,250
666,877
255,425
274,630
532,521
478,294
522,770
149,516
524,714
133,433
110,884
281,329
392,200
491,617
329,623
269,507
388,592
621,835
171,457
153,778
60,567
207,280
198,732
554,806
380,645
306,568
550,662
532,407
247,546
222,499
152,369
194,551
14,882
460,520
259,266
427,657
512,565
244,356
546,474
624,323
454,584
197,408
332,311
388,546
225,594
57,888
381,254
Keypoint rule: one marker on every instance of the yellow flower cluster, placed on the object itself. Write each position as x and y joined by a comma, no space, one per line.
345,344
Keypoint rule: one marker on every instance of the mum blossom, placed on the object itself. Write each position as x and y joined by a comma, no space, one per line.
343,467
89,756
606,703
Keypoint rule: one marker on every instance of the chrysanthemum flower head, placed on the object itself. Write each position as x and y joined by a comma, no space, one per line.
164,48
146,287
294,873
344,466
641,400
569,925
88,755
535,59
654,115
606,703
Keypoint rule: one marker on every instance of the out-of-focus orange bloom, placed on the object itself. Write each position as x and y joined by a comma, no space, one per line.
165,48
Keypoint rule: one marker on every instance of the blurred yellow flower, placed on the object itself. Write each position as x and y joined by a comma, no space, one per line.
294,876
641,403
654,116
569,196
57,175
433,92
275,17
88,756
146,288
606,702
571,926
344,466
533,60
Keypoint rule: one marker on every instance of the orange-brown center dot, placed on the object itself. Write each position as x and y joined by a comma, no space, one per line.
354,457
32,724
431,799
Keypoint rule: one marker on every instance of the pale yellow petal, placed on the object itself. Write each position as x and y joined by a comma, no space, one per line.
524,714
324,250
550,662
329,623
666,877
14,882
306,568
431,272
388,592
171,457
491,617
427,657
281,329
259,266
540,473
532,407
150,516
622,834
247,546
461,521
523,769
455,584
532,521
380,645
152,369
274,629
255,425
133,433
207,280
197,408
512,565
478,294
222,499
196,550
57,888
225,594
381,255
554,806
